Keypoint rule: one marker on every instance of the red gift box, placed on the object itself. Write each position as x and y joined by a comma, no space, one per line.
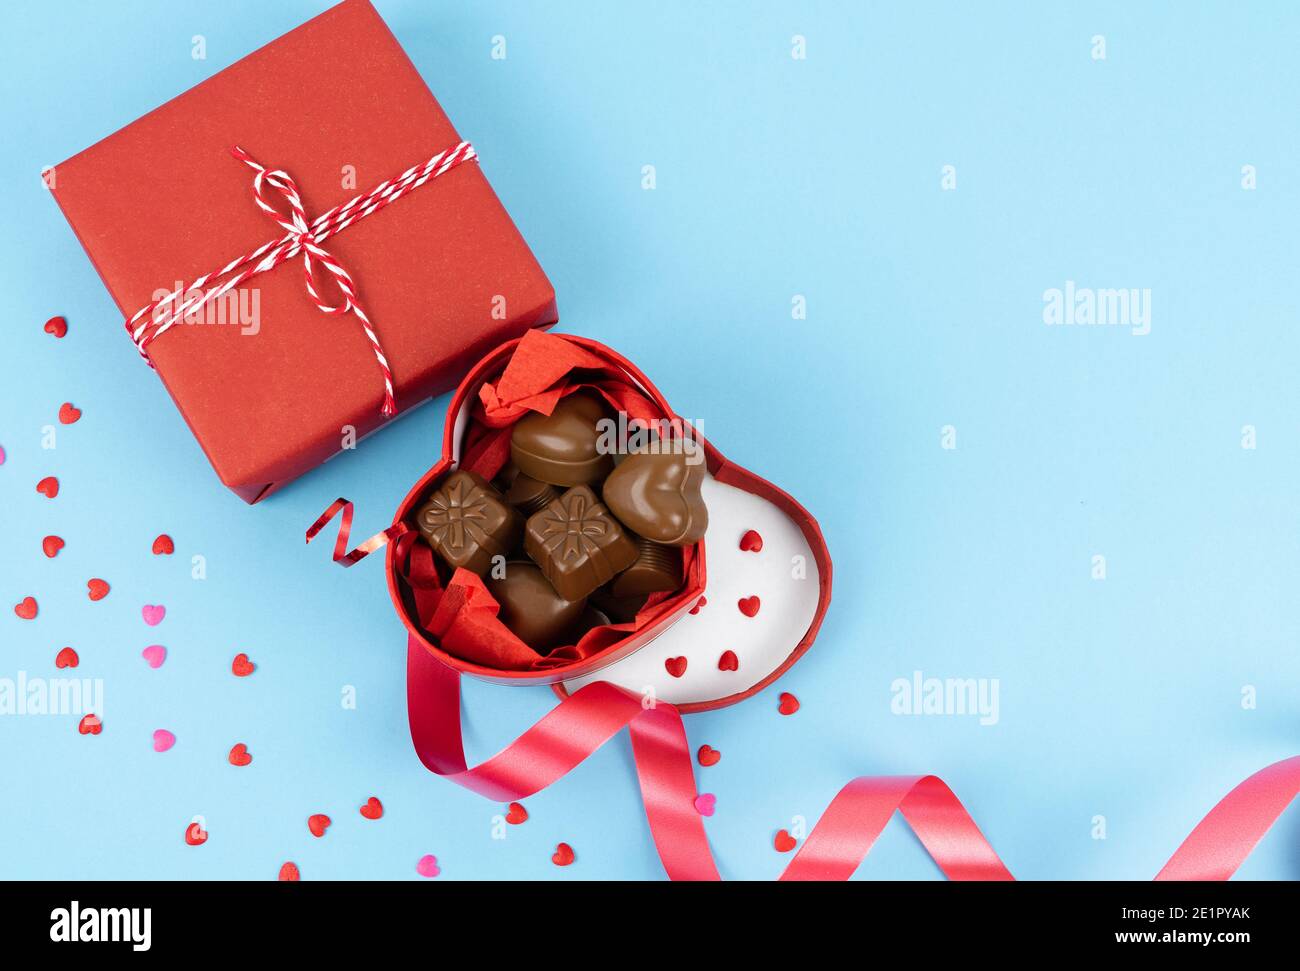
442,273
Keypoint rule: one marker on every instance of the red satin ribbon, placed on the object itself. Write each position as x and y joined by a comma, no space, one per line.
1225,837
593,715
843,836
564,737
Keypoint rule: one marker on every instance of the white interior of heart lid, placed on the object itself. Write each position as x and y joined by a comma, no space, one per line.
782,575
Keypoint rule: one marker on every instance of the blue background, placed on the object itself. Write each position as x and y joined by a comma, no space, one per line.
775,177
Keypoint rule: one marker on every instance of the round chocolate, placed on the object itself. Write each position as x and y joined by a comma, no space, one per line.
591,618
657,568
531,608
562,448
525,493
623,610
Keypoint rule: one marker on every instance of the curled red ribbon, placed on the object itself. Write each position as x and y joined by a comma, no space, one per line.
839,841
342,555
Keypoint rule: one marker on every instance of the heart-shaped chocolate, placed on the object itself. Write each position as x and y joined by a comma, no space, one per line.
563,448
656,494
531,608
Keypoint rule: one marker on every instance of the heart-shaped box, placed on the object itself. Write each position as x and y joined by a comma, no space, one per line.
784,584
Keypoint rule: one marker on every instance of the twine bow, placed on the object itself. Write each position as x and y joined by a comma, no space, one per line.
300,237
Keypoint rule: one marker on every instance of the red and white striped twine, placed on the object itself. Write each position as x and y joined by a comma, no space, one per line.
147,323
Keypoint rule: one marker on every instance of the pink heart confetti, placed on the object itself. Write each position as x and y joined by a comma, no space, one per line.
2,455
428,866
705,802
153,614
163,740
154,655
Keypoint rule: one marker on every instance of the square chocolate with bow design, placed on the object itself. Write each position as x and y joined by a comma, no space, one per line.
577,543
468,523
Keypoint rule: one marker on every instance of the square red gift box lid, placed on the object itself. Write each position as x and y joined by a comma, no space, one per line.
442,273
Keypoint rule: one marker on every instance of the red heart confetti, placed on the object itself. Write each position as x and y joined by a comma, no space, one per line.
783,842
748,606
517,814
48,487
698,604
708,755
728,661
90,725
289,873
51,545
676,666
241,666
563,854
66,658
705,803
239,755
318,823
153,614
56,326
195,834
373,809
68,413
97,588
789,704
27,609
163,545
751,542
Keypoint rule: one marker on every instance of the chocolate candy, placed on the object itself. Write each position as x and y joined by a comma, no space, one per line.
467,523
657,495
531,608
561,448
622,610
590,619
524,492
577,543
657,567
